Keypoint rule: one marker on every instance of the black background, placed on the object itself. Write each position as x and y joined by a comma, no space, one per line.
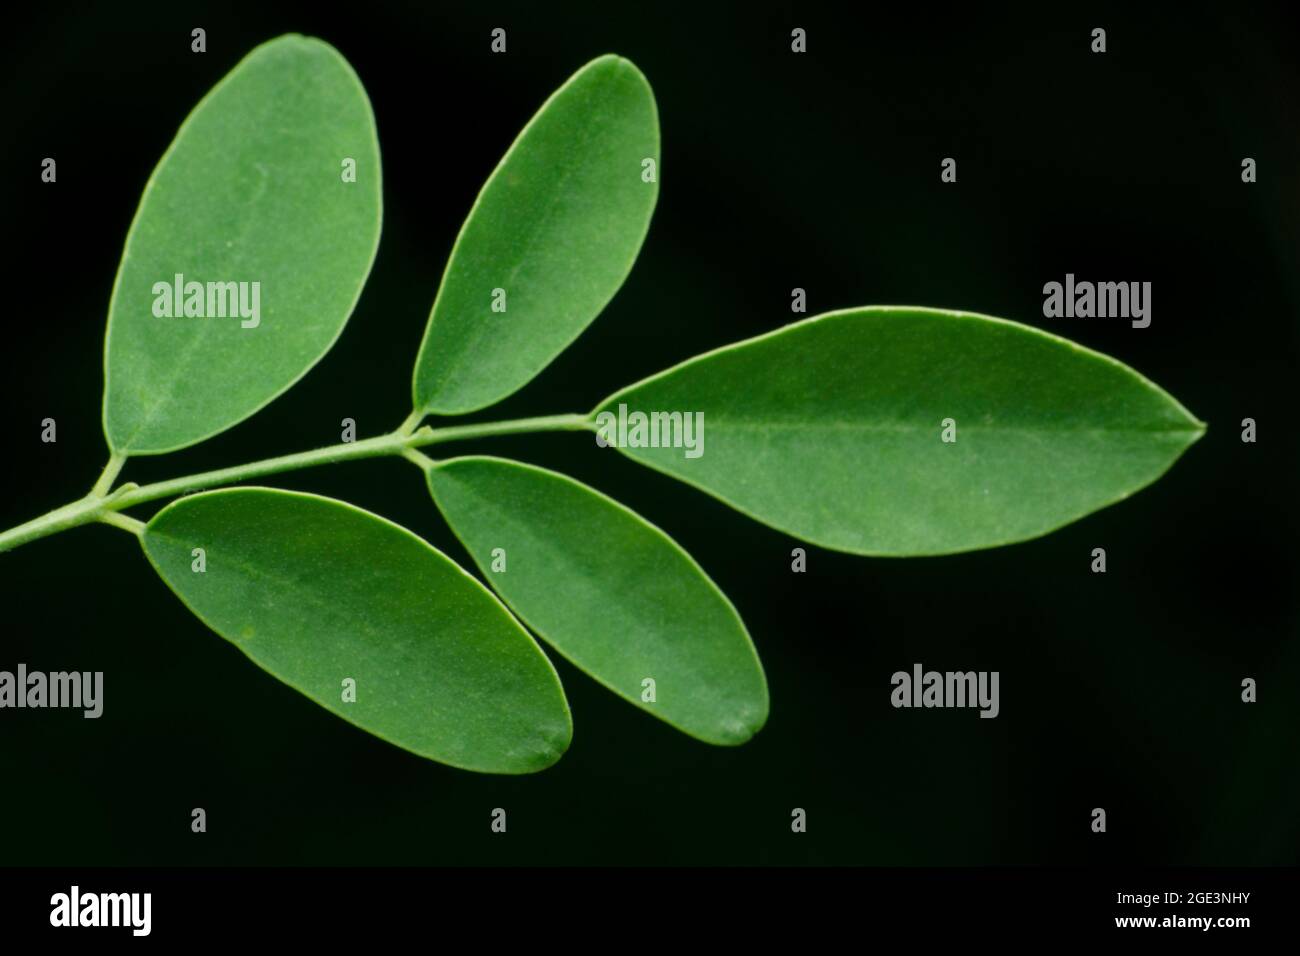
820,171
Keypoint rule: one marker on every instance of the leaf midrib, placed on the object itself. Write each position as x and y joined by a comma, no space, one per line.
804,425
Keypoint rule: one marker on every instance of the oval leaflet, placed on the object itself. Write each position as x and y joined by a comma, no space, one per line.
907,431
248,252
610,591
318,592
548,242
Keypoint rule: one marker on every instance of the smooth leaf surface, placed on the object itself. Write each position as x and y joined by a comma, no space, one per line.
251,190
556,228
831,430
611,592
316,591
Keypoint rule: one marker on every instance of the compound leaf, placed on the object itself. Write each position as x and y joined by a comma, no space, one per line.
609,591
548,242
318,592
252,207
909,431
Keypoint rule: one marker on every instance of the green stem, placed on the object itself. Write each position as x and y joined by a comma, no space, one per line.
99,505
545,423
60,519
125,522
346,451
111,471
418,459
408,426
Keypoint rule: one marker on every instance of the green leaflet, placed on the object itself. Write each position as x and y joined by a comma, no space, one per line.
831,430
316,591
556,230
611,592
251,190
